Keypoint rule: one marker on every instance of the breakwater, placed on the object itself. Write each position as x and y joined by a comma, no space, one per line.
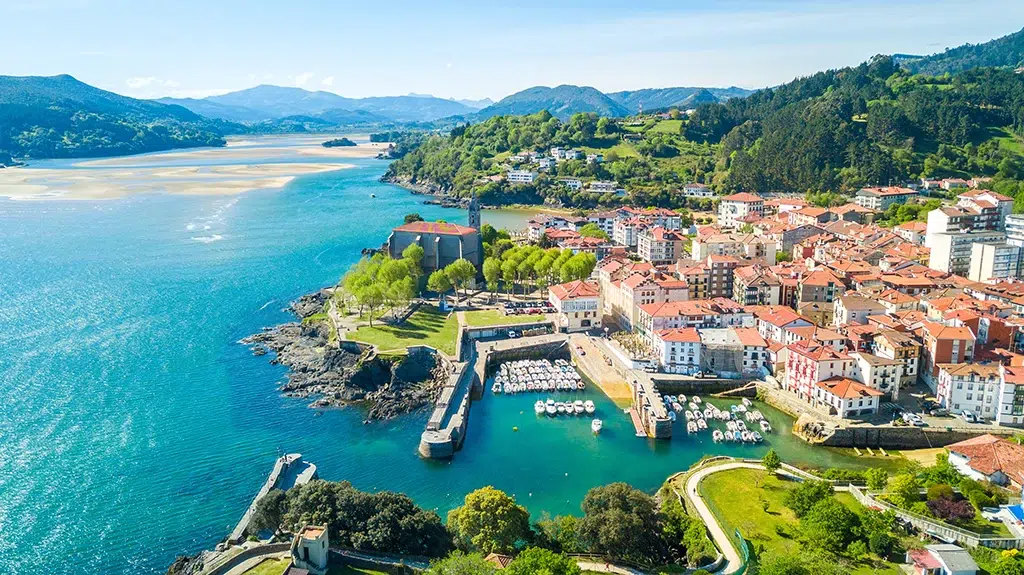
289,471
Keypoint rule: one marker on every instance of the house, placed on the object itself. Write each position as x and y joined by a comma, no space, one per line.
809,216
810,362
571,183
756,285
879,373
973,387
577,305
732,209
661,246
845,397
602,187
881,198
733,352
943,344
499,561
309,549
913,232
696,190
442,243
892,344
773,323
944,559
520,176
627,232
852,308
989,458
678,350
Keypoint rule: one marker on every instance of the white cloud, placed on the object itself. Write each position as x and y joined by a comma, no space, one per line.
150,81
303,79
328,81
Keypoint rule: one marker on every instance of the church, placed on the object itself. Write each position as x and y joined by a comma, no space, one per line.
442,243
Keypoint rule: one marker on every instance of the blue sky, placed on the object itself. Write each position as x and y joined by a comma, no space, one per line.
151,48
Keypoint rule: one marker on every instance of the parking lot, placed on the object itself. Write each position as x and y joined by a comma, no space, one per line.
526,307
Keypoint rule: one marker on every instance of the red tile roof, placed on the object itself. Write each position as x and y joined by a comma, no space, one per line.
436,228
988,454
743,197
576,289
684,334
847,388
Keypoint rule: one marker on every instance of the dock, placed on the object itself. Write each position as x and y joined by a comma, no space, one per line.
289,471
637,423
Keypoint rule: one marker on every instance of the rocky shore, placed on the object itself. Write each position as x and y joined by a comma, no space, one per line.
335,374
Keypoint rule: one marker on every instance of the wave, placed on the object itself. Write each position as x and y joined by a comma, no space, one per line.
208,239
264,306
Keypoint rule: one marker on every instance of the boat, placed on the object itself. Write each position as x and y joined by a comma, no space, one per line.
589,406
746,402
765,426
560,408
701,424
676,406
692,406
695,399
550,408
539,407
373,195
672,415
577,407
717,436
596,425
689,415
496,388
757,437
691,427
681,399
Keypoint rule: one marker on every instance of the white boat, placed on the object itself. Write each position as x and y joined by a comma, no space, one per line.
681,399
691,427
746,402
596,424
496,388
717,436
589,406
701,424
560,408
676,406
577,406
692,406
756,437
539,407
765,426
689,415
695,399
550,408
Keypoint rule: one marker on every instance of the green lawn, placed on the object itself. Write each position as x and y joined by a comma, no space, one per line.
666,127
427,326
484,318
736,499
270,567
621,149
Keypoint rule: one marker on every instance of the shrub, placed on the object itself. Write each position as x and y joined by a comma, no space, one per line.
949,510
940,491
806,495
880,544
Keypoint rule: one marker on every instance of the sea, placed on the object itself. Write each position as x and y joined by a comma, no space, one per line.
135,428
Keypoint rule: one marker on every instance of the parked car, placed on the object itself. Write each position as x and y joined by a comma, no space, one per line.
969,416
650,369
512,334
939,412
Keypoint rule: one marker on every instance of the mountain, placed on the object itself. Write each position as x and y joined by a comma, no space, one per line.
61,117
266,102
562,101
476,104
656,98
1005,51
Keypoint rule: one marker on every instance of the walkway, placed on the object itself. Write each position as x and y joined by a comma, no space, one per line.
607,568
606,377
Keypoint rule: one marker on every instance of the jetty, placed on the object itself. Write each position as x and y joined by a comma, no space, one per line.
289,471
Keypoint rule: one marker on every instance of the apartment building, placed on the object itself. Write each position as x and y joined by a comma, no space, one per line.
732,209
661,246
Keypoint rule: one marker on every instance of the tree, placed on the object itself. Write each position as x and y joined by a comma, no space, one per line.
620,521
1008,566
269,512
489,520
904,490
593,230
413,255
880,543
492,273
857,549
876,478
438,282
771,462
776,564
829,524
802,498
939,491
558,534
536,560
460,273
459,563
413,217
950,510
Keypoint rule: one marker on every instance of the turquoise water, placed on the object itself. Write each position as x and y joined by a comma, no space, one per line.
134,428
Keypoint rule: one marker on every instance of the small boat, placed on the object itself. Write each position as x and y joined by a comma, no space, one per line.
681,399
765,426
717,436
577,407
550,408
691,427
539,407
672,415
692,406
756,437
695,399
373,195
746,402
496,388
589,406
701,424
560,408
689,415
596,425
676,406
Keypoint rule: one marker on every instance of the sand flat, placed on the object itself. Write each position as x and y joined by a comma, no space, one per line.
239,153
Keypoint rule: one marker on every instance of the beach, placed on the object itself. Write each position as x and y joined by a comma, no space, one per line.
243,165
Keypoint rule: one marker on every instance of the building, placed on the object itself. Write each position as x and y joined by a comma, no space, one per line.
892,344
732,209
756,285
989,458
520,176
944,559
1015,230
577,305
627,232
970,387
733,352
442,243
678,350
603,187
774,323
845,397
852,308
661,246
943,344
951,252
881,198
994,261
696,190
810,362
745,246
913,232
879,373
309,549
571,183
809,216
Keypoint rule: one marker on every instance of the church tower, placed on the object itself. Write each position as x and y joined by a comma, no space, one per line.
474,213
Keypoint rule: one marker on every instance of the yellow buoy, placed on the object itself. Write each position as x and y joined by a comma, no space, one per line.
515,429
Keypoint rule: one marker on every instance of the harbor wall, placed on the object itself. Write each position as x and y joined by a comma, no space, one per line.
446,427
908,437
702,386
282,466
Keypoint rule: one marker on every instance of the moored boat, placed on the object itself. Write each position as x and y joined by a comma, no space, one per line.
596,425
589,406
539,407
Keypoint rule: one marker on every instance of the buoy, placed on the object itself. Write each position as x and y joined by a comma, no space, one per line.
515,429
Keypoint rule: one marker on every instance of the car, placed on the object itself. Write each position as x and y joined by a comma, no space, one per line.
969,416
579,349
512,334
650,369
939,412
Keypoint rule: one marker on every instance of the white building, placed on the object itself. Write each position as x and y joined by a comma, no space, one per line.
309,549
577,305
678,350
571,183
881,198
600,186
696,190
878,373
952,252
970,387
732,209
994,261
660,246
846,397
520,176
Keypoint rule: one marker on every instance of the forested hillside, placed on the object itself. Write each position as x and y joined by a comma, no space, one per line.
834,131
60,117
1005,51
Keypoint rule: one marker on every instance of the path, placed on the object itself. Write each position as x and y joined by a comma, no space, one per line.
604,376
607,568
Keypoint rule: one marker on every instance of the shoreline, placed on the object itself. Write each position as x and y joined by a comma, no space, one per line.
443,199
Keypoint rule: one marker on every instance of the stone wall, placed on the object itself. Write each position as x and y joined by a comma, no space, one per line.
702,386
891,437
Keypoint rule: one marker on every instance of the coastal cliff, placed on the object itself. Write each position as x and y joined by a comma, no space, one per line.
335,374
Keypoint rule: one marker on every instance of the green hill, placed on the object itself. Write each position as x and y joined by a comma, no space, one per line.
562,101
1005,51
658,98
61,117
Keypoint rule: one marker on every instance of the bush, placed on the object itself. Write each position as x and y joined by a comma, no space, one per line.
806,495
880,544
950,510
940,491
843,474
829,525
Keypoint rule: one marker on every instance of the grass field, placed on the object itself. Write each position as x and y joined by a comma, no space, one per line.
427,326
621,149
270,567
666,127
739,503
484,318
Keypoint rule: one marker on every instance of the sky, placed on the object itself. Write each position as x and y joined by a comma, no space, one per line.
471,49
